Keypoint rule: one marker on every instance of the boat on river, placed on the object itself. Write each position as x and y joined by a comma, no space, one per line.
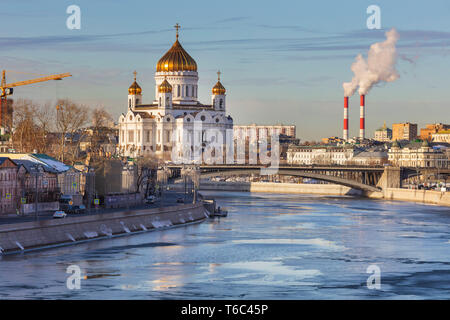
219,212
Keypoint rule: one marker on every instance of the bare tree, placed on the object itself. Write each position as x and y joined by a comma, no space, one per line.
101,118
45,121
26,133
146,169
101,121
70,119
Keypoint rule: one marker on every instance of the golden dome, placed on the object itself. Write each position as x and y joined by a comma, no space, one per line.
176,59
134,88
165,87
218,88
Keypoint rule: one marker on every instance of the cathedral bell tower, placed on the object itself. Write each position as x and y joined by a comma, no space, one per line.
178,67
218,95
134,94
165,95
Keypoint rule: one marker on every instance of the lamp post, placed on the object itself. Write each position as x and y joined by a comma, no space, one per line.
127,183
89,187
160,180
195,178
166,177
36,191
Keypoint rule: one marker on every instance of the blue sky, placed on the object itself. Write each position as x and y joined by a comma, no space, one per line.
281,61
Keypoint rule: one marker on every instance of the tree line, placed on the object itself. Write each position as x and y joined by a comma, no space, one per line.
56,130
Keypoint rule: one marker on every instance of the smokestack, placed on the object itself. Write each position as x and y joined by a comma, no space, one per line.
361,117
345,135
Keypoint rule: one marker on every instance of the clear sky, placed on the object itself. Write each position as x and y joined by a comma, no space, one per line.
281,61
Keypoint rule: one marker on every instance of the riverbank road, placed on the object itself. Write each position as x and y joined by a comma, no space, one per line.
168,198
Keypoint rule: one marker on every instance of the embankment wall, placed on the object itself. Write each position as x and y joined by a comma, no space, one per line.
421,196
331,189
51,232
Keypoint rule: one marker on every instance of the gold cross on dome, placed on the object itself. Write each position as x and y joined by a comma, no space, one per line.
177,27
135,73
218,75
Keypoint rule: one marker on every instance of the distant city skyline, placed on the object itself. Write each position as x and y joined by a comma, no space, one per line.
281,62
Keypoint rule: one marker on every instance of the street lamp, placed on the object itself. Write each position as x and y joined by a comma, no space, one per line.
195,178
89,186
183,174
37,169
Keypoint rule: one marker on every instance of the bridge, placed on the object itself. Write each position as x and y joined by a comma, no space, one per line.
365,178
357,177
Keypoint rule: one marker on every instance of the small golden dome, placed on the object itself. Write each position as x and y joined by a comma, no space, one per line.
218,89
165,87
134,88
176,59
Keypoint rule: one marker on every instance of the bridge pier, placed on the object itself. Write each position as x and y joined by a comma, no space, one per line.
391,178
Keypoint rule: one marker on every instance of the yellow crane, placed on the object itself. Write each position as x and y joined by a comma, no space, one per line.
6,89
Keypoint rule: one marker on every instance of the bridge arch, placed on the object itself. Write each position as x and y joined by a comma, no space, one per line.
296,173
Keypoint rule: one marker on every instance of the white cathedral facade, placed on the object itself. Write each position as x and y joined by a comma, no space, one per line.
169,122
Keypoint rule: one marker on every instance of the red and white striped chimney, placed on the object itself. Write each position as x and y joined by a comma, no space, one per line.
345,135
361,117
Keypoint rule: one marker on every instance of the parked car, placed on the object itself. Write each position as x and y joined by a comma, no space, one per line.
150,199
81,209
76,209
59,214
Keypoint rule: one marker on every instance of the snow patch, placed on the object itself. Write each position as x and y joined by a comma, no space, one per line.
91,234
161,224
20,246
125,228
105,230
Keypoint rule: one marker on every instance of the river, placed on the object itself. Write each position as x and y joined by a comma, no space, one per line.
271,246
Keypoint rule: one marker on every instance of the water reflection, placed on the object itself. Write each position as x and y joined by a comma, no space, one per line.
271,246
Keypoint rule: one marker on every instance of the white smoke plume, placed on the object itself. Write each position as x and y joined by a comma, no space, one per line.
379,67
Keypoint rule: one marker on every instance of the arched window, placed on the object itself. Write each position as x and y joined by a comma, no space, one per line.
187,91
167,100
221,103
159,101
178,91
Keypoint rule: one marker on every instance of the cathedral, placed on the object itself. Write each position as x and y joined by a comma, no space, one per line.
169,121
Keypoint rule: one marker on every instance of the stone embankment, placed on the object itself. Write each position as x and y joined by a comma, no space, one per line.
269,187
26,236
421,196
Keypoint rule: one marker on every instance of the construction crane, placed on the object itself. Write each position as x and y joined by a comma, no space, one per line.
7,89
